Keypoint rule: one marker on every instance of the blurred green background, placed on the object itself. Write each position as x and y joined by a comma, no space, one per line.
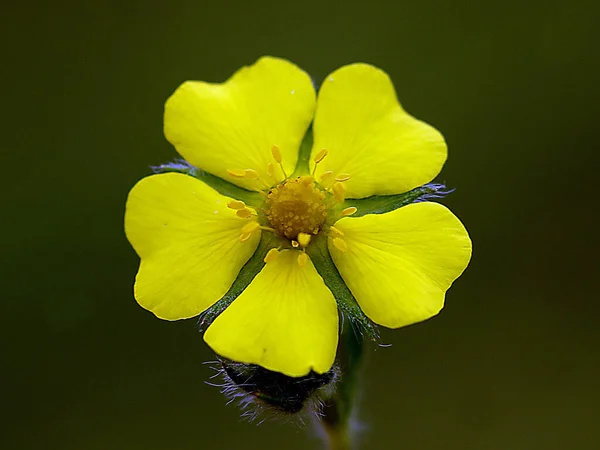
513,360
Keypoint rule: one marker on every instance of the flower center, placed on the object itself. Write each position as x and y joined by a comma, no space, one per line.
296,206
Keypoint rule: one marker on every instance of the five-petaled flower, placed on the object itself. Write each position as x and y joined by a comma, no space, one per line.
287,207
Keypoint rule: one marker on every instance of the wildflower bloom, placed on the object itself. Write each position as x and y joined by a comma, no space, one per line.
296,230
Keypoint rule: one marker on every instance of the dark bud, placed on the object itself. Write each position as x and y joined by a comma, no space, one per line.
252,385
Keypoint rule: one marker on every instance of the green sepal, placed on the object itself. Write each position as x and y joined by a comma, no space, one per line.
379,204
245,277
302,166
220,185
320,257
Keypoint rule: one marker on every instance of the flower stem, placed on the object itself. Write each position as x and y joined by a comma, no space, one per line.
338,411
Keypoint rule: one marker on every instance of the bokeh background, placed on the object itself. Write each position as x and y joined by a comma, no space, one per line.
511,363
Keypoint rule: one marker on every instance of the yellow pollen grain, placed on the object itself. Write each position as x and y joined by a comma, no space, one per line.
243,213
295,244
342,177
271,255
304,239
320,156
338,191
349,211
236,204
250,227
236,173
276,152
302,259
340,244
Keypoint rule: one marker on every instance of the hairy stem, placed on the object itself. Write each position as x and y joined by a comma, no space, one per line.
338,411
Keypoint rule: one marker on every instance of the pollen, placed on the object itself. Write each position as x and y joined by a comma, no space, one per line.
296,206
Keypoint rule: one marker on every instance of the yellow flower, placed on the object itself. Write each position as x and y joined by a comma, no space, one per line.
259,246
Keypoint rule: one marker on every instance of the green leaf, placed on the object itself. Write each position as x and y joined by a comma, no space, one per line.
319,255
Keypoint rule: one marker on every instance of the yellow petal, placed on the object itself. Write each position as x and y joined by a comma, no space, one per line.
369,136
285,321
400,264
234,125
188,242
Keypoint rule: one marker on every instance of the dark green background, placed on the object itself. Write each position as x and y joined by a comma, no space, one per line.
511,363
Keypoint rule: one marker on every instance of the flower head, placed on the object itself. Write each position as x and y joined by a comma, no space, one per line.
269,227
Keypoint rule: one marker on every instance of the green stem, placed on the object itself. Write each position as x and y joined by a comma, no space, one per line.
338,411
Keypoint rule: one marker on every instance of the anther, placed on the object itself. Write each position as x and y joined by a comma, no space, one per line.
271,255
307,180
276,152
245,236
338,191
327,179
340,244
250,227
320,156
243,213
251,174
271,170
304,239
342,177
236,204
278,157
295,244
349,211
336,230
302,259
236,173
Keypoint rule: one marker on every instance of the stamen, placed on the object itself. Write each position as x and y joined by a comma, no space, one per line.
349,211
250,227
318,158
343,177
295,244
276,152
278,157
236,173
304,239
327,179
271,170
307,180
251,174
340,244
236,204
338,191
336,230
243,213
271,255
302,259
